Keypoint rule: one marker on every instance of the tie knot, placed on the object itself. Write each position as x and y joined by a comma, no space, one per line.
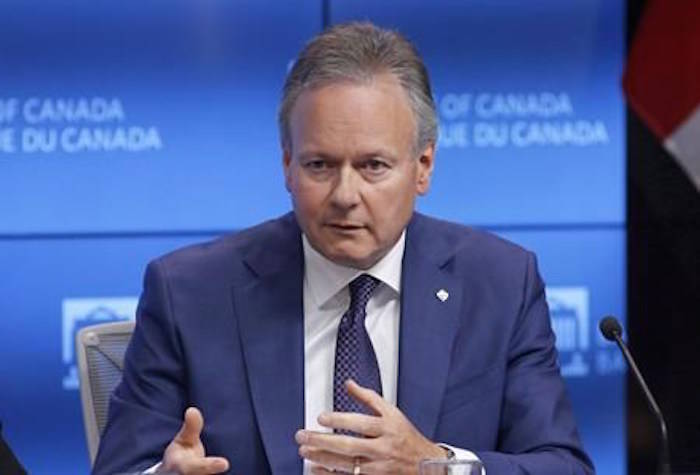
361,289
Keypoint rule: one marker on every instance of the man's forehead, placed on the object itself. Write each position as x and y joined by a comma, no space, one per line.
384,80
338,103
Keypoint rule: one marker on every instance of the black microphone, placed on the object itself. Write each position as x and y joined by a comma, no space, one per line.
612,330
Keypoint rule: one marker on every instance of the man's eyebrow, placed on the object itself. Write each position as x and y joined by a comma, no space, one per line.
373,154
378,154
314,155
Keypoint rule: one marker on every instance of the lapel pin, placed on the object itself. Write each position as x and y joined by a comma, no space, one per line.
442,295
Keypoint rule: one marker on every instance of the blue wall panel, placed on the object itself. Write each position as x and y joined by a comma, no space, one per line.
43,281
204,77
164,115
506,74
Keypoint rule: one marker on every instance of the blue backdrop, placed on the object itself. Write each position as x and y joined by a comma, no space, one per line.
128,129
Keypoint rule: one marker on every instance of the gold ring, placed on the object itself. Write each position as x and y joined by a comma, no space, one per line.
356,468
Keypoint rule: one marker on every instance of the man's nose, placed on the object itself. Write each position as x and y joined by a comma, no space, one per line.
346,192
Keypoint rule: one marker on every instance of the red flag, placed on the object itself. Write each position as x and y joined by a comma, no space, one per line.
662,78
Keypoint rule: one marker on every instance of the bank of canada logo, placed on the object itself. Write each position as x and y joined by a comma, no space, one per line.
82,312
568,307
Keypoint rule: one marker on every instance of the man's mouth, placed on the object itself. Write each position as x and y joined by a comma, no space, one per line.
341,226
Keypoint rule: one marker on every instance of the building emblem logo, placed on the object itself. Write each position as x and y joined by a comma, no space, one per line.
81,312
568,307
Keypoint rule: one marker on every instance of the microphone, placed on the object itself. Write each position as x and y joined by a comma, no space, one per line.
612,330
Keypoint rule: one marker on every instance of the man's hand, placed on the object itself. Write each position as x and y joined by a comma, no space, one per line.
185,454
391,444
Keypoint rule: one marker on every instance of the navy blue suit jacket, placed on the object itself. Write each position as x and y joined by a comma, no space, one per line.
220,327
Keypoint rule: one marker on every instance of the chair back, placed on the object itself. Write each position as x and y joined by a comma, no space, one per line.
100,352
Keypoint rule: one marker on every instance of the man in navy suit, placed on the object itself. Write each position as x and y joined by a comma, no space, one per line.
245,332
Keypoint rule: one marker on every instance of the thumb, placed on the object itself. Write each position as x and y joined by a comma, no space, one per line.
191,427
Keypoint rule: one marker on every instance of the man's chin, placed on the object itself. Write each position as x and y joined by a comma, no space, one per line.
357,263
351,258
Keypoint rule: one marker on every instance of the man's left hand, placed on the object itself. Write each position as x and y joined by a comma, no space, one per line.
389,443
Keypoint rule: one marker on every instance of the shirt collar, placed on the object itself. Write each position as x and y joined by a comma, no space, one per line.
325,278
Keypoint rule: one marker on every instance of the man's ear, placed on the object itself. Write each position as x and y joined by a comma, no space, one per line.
426,162
286,164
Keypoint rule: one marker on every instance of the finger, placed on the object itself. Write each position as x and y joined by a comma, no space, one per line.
328,460
338,444
191,427
367,397
378,466
203,466
320,470
369,426
216,465
366,467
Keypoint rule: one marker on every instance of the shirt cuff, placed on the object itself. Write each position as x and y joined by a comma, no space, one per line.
152,469
464,454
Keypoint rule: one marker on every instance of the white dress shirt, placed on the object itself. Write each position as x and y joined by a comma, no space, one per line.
326,298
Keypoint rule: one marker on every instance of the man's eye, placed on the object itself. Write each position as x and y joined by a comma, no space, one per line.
316,165
375,165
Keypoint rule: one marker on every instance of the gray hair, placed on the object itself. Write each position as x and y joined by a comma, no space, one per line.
357,52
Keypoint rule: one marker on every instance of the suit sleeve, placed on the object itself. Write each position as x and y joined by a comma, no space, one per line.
146,409
537,434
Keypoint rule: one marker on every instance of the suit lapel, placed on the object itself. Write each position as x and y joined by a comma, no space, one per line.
269,310
428,326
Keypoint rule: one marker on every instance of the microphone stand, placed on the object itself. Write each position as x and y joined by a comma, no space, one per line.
664,457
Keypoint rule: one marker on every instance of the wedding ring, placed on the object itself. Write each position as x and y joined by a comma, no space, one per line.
356,468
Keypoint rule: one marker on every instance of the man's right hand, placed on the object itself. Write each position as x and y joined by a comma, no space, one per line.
185,454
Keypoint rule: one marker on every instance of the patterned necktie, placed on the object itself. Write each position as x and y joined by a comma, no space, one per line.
354,354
